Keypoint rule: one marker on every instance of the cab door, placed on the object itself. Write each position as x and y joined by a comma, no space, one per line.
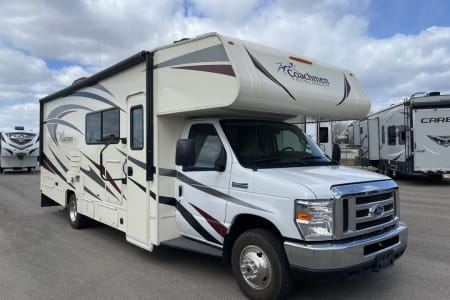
202,189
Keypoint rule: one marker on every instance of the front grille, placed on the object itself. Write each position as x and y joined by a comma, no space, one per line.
21,138
362,212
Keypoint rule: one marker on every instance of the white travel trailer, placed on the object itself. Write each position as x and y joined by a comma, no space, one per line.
320,131
412,137
354,133
186,145
18,149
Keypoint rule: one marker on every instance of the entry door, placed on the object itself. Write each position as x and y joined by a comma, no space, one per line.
374,138
202,190
136,188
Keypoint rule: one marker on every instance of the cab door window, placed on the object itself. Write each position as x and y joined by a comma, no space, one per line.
208,147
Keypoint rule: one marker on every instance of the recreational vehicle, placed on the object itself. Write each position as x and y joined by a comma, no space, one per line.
354,133
18,150
320,131
412,137
187,145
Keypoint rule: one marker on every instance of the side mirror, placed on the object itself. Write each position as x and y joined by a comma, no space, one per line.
221,162
185,152
336,155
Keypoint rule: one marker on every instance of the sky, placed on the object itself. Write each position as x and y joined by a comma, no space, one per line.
394,47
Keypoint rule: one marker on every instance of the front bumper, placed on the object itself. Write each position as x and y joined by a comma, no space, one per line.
347,256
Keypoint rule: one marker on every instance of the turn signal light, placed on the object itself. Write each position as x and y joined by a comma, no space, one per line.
303,217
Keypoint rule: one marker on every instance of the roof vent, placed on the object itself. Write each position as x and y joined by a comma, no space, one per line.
78,80
434,93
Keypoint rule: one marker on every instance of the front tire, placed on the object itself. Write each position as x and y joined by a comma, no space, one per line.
260,266
76,220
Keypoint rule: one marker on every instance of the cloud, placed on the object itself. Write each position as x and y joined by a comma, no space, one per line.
90,35
20,115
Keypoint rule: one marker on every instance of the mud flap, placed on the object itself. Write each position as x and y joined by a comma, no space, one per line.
47,201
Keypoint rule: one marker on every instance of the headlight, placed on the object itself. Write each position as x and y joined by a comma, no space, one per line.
315,219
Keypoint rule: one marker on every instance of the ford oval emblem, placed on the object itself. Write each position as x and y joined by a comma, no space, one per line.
376,210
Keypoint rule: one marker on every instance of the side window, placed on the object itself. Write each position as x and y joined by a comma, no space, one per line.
93,128
110,124
323,135
391,135
383,135
137,128
208,147
401,135
100,126
360,130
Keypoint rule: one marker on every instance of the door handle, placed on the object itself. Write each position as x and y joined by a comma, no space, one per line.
130,171
180,191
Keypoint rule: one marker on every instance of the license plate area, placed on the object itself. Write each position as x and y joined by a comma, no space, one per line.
384,260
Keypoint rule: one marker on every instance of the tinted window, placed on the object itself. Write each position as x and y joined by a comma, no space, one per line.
208,147
323,135
100,126
93,128
265,144
110,124
136,128
391,135
383,135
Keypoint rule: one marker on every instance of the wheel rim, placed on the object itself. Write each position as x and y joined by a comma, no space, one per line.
73,211
255,267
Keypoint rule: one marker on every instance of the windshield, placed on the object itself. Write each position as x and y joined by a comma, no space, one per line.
267,144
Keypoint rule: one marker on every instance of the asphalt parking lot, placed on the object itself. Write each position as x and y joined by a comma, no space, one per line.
42,257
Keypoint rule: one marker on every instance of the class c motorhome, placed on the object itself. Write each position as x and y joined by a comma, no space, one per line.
18,149
411,137
186,145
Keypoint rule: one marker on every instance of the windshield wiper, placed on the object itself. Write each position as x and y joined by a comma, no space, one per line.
312,157
277,159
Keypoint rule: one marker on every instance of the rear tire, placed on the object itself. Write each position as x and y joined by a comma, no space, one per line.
260,266
76,220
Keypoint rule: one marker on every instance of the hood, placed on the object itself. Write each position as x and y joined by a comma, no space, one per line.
317,179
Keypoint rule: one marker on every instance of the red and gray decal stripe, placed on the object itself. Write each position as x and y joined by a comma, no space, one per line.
59,161
47,164
190,219
95,97
218,227
97,179
197,185
211,54
191,61
263,70
101,170
219,69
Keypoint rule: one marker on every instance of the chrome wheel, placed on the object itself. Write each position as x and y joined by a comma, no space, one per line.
255,267
73,211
